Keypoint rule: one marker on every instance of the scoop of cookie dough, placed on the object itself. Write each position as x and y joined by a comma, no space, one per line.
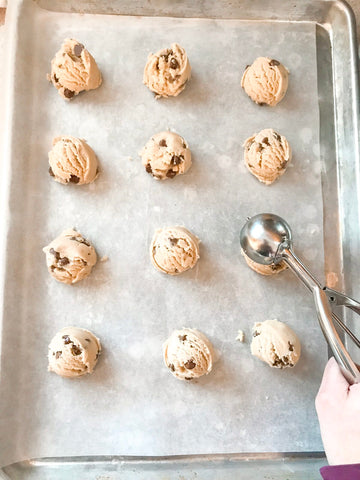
72,160
174,250
188,354
166,155
167,71
265,81
73,352
266,155
276,344
70,257
73,69
264,269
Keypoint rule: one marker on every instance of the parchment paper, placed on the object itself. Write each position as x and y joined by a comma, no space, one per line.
132,405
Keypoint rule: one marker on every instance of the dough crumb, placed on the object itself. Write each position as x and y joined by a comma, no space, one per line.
241,336
105,258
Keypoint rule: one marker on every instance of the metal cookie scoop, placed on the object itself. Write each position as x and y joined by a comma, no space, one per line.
266,239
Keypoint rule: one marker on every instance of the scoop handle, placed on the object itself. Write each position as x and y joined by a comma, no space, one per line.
348,367
324,313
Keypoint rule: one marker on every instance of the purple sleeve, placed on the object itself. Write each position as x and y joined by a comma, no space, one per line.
341,472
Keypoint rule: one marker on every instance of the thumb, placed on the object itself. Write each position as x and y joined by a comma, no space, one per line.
333,381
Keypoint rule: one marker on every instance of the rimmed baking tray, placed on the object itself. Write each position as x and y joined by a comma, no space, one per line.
339,149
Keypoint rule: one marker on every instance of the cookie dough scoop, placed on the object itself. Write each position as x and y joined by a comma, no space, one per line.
73,352
73,70
174,250
72,160
265,81
276,344
267,154
70,257
167,71
266,239
188,354
166,155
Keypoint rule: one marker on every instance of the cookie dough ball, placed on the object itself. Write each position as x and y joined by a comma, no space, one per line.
265,81
188,354
70,257
174,250
167,71
73,352
266,155
276,344
166,155
73,70
72,161
264,269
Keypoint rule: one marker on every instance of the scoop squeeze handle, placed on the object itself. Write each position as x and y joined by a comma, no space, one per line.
324,313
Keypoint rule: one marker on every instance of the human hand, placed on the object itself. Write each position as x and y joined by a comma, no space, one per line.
338,408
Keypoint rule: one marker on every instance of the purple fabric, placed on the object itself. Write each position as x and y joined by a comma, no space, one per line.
341,472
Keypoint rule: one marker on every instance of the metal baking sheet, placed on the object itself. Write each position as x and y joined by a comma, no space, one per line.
25,225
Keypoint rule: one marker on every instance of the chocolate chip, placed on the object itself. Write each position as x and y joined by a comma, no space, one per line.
74,179
58,354
97,355
182,338
63,261
148,168
176,160
55,78
190,364
291,347
277,136
176,270
174,63
274,63
170,174
166,55
66,339
188,378
80,240
88,339
56,254
75,350
184,145
173,241
282,165
68,93
172,367
262,104
78,49
256,333
265,141
247,66
51,172
163,143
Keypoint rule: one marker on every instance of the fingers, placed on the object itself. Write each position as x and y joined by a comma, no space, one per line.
333,381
